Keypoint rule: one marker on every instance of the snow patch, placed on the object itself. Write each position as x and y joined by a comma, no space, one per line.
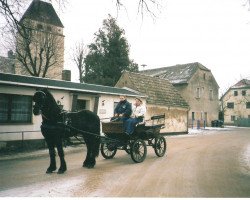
45,189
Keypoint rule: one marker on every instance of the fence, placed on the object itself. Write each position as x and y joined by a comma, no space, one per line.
199,124
19,140
33,143
244,122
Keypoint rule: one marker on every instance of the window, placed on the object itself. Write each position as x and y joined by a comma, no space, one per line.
247,104
235,93
230,105
81,104
115,104
243,92
39,26
211,95
232,118
49,28
15,108
198,93
204,76
193,118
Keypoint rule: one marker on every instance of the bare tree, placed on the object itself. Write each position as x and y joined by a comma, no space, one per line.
144,6
78,56
12,9
37,51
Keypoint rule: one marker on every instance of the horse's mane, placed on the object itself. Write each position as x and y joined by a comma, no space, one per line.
51,99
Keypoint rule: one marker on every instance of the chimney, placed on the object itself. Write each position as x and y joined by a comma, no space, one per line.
66,75
11,54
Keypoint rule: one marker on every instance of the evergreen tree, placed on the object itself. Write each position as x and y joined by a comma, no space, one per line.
108,56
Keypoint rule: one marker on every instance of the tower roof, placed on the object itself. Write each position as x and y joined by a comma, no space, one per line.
43,12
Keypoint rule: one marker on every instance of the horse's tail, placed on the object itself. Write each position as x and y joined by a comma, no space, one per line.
97,147
97,142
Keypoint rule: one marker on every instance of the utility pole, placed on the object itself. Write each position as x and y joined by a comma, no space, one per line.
143,66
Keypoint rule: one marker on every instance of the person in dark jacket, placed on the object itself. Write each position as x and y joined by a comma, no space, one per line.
123,110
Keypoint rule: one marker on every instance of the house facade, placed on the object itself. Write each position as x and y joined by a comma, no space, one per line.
197,86
17,121
235,103
162,98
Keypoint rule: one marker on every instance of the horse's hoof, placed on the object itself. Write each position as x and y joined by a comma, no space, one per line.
61,171
89,166
50,170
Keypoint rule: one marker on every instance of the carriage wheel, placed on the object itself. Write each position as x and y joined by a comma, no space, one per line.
108,150
160,146
138,151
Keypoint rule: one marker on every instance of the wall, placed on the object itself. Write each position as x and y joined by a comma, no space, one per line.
175,118
239,110
201,106
106,105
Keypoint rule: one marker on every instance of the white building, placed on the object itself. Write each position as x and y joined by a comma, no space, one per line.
17,121
235,103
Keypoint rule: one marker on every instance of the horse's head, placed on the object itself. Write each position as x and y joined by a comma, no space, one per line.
40,99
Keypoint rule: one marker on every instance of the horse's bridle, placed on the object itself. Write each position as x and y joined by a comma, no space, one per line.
39,104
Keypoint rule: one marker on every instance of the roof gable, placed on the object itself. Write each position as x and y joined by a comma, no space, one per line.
178,74
159,91
244,83
43,12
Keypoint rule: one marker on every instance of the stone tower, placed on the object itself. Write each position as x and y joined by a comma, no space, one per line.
41,49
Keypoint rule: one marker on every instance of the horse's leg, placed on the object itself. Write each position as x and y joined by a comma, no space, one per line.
52,155
92,152
86,161
63,166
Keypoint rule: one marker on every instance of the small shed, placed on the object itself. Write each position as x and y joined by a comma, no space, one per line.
162,97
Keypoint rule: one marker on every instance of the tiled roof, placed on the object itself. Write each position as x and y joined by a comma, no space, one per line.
12,79
178,74
158,90
43,12
242,84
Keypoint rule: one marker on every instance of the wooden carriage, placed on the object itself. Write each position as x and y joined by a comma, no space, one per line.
145,134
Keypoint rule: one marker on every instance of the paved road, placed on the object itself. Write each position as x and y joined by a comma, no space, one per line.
211,164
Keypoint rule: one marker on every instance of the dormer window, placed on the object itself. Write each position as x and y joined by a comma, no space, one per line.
39,26
49,28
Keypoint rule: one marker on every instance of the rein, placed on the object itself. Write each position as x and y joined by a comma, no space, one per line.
45,116
89,133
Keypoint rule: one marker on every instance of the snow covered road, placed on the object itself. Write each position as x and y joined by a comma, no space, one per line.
204,163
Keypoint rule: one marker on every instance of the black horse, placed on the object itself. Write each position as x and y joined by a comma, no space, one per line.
56,125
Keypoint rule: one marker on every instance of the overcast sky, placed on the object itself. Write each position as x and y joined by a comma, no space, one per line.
215,33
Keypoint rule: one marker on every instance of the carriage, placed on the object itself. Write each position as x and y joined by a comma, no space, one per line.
145,134
57,125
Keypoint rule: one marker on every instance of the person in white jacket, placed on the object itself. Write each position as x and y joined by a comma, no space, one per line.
138,113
